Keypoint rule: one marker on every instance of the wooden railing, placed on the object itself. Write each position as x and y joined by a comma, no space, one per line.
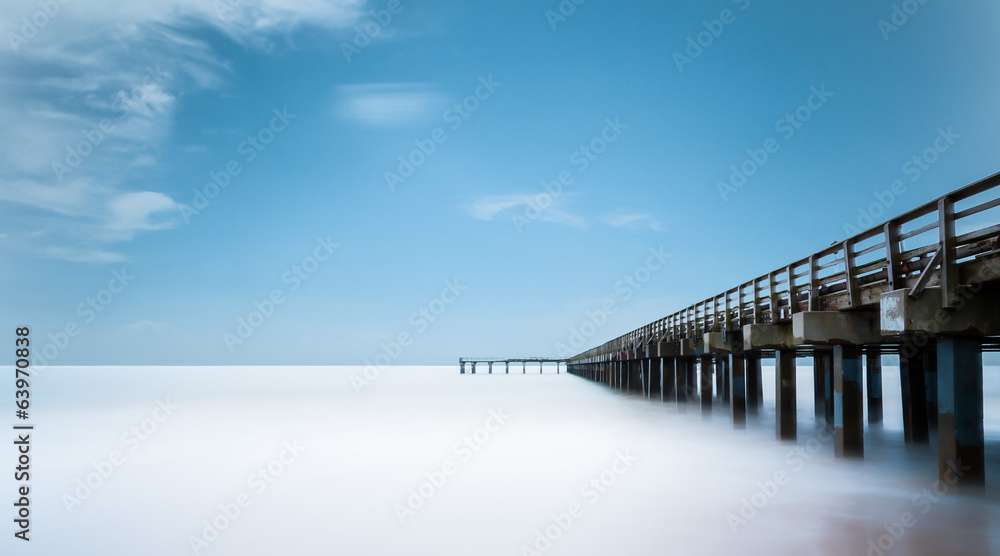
922,247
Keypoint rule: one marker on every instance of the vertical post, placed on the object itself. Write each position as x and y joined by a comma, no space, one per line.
473,367
848,425
463,367
961,453
751,361
830,389
873,375
727,382
784,372
819,383
737,385
506,367
706,384
655,378
912,364
539,367
491,367
931,387
680,374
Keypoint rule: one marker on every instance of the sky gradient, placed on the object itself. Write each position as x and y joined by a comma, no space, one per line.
328,182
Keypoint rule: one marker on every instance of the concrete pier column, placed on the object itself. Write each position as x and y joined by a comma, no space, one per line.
873,378
719,377
931,387
656,378
491,368
784,372
540,367
463,368
913,362
506,367
524,367
473,368
693,379
755,394
668,381
681,374
848,424
738,390
706,383
961,453
819,383
726,381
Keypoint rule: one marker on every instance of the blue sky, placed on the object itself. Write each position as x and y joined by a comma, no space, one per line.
302,108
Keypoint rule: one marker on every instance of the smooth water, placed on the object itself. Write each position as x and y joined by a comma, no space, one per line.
295,461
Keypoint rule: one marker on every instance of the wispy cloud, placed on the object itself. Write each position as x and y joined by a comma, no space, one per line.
633,221
387,104
507,206
89,99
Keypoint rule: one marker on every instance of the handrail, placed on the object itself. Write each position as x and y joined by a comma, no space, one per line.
902,256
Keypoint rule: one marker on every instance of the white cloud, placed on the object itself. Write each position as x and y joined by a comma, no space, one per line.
129,62
387,104
487,207
136,211
633,221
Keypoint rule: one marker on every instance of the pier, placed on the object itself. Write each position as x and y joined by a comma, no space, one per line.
489,361
924,285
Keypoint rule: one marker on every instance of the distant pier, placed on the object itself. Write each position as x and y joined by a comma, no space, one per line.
924,285
472,361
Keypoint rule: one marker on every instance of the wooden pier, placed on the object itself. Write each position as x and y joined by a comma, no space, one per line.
472,361
924,285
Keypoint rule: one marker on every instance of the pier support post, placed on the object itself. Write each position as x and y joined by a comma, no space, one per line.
784,371
540,367
463,368
961,453
873,377
655,378
681,374
506,367
755,394
819,383
913,362
737,380
931,387
848,427
524,367
706,384
669,379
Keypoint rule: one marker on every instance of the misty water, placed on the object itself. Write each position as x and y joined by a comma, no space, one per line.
425,461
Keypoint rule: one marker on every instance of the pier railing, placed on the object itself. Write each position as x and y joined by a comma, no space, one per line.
930,245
